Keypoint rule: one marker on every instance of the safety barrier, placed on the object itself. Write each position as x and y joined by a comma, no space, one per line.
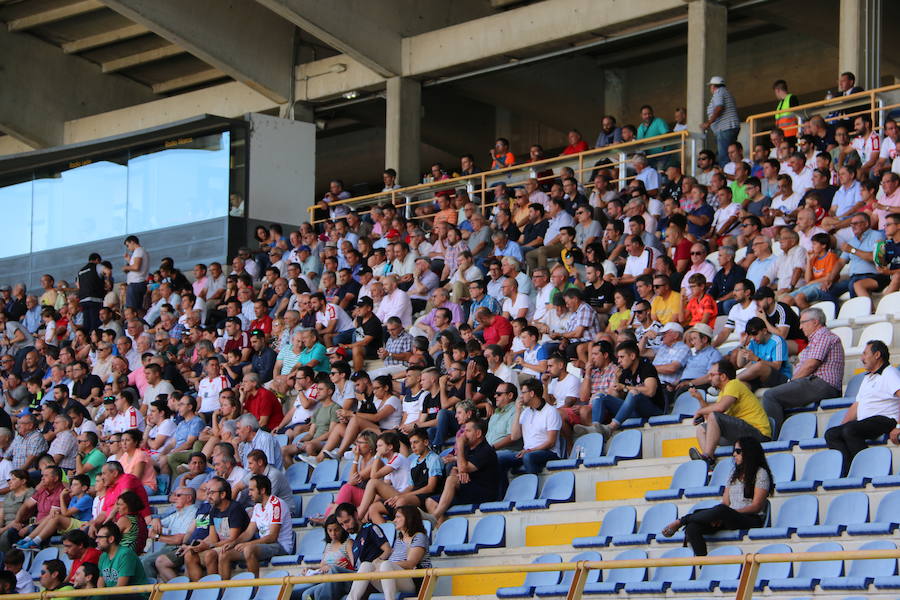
750,566
876,103
678,148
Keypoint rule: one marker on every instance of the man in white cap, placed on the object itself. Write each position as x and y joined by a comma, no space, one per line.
700,359
671,357
721,118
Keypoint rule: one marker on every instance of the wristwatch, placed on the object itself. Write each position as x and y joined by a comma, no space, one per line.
852,250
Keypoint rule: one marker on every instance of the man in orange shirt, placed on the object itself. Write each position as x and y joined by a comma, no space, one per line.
501,157
820,262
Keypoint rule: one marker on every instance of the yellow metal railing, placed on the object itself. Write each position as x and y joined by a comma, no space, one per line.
678,145
750,566
876,103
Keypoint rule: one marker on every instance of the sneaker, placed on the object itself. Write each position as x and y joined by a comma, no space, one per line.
331,453
26,544
581,430
604,430
429,517
695,454
310,460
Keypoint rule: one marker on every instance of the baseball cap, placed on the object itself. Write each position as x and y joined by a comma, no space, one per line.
702,329
304,248
365,301
671,326
392,233
234,320
5,288
763,292
716,80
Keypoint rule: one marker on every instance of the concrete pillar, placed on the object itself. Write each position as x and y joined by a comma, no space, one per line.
706,55
403,128
859,41
614,94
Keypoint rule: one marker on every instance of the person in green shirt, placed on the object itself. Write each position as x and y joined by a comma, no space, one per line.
53,577
89,458
119,565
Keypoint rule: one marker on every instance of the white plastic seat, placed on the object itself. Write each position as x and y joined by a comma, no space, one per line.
875,331
713,257
846,335
741,254
861,306
826,307
888,309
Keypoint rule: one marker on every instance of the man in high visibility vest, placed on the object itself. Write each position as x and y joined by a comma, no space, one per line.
784,118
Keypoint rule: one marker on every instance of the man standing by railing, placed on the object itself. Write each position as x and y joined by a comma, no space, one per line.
721,118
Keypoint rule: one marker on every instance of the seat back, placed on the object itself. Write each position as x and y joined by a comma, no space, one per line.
889,304
782,466
345,470
852,507
852,388
855,307
801,426
672,573
523,487
211,577
536,578
593,576
590,446
318,504
38,561
452,531
704,504
822,568
325,472
628,575
239,593
825,464
626,444
685,405
721,572
875,567
798,511
846,336
871,462
176,594
657,517
297,474
769,571
490,531
390,531
826,307
689,474
722,471
207,594
619,521
296,505
836,418
270,592
312,543
559,487
889,508
878,331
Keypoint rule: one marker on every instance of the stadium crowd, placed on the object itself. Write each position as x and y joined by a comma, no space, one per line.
439,350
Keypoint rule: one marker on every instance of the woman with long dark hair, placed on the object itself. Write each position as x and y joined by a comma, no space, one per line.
743,503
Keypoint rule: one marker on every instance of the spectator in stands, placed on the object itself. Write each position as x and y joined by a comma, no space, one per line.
818,375
81,550
764,362
53,576
779,319
171,531
28,445
743,503
86,576
369,546
38,506
337,558
537,423
260,402
90,459
227,521
187,431
119,564
742,311
857,250
136,268
14,561
252,437
721,117
874,412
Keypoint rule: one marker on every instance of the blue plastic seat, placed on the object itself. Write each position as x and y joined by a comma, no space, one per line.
559,487
619,521
521,489
341,479
800,426
798,511
886,520
533,579
863,572
291,558
654,520
297,475
678,538
717,481
452,532
808,574
685,406
782,466
663,577
589,446
689,474
867,465
852,507
616,579
819,442
311,547
767,571
849,396
207,594
176,594
270,592
489,532
562,588
625,445
390,531
315,507
325,472
820,467
38,561
296,505
711,575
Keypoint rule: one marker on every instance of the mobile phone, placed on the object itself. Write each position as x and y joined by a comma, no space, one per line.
698,420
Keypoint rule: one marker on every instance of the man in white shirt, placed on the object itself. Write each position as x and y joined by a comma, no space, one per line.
787,271
867,143
210,387
396,303
743,310
564,392
515,304
332,321
639,261
496,367
542,291
137,264
800,173
156,385
537,423
646,174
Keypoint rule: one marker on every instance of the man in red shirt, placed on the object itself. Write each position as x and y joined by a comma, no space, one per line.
576,144
118,481
495,328
40,502
78,547
260,402
262,321
235,339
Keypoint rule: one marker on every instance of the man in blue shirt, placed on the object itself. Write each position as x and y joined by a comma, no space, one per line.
857,250
699,361
186,433
765,360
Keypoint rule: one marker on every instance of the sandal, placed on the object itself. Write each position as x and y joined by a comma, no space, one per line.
670,529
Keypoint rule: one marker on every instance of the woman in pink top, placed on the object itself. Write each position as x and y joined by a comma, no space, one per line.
137,461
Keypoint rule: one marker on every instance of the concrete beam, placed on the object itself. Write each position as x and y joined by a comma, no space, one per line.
47,88
126,31
706,55
27,15
859,41
330,77
403,128
367,37
189,80
228,38
145,50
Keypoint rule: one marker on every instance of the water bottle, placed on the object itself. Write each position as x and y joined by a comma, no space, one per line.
829,95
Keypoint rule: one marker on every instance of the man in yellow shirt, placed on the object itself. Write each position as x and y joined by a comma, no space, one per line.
737,413
666,305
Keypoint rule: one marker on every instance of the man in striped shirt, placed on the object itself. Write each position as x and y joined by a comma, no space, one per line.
721,118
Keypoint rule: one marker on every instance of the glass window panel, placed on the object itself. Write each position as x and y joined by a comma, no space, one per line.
79,205
15,226
179,185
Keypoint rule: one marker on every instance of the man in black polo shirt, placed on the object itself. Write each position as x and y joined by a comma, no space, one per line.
86,387
598,293
368,334
481,386
475,479
780,319
369,545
